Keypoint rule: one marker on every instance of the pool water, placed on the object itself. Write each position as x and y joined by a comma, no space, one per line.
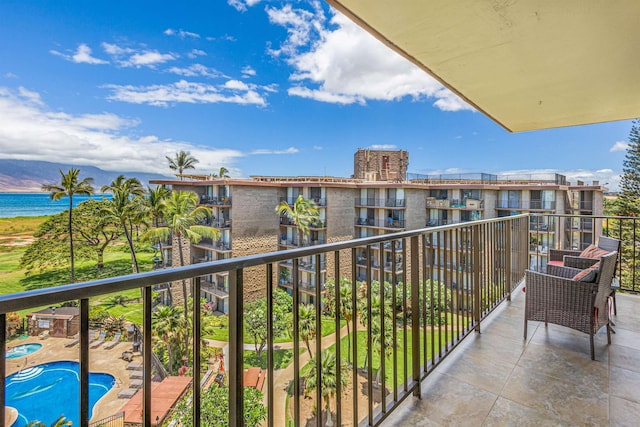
45,392
22,350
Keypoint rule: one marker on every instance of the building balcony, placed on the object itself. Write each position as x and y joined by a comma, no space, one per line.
380,203
319,201
468,204
386,223
530,205
219,246
211,222
217,290
493,378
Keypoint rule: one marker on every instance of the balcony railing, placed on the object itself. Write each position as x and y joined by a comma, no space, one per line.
319,201
379,203
216,201
526,205
411,347
472,204
386,223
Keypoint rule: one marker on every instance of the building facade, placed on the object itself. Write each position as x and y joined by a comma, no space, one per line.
244,211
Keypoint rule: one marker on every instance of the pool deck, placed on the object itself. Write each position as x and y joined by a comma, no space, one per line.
100,360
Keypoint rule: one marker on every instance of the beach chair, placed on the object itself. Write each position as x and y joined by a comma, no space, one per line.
116,340
72,341
43,335
127,393
135,384
94,337
100,340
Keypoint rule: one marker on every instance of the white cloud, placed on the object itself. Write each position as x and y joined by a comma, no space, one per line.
195,53
113,49
189,92
606,177
248,71
383,147
81,56
242,5
30,96
336,61
148,59
290,150
196,70
181,33
619,146
10,76
31,131
317,147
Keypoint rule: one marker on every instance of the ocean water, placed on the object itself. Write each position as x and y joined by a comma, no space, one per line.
37,204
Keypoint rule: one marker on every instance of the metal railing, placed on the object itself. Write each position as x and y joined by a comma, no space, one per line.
382,223
396,318
547,205
379,203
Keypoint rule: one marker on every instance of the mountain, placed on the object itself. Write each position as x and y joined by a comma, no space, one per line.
29,175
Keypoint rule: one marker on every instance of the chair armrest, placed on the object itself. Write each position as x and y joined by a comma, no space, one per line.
577,262
562,271
557,254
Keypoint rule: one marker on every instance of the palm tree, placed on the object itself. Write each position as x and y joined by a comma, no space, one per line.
304,214
182,160
155,205
69,186
346,306
125,208
222,173
182,214
60,422
166,324
329,380
307,324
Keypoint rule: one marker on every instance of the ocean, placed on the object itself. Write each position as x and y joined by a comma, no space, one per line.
37,204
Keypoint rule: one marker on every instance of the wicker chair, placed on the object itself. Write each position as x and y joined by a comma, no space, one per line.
572,258
563,301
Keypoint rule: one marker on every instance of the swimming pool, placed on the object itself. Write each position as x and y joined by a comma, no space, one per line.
45,392
22,350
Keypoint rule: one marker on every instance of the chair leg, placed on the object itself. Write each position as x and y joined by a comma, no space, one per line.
608,334
593,357
525,328
615,308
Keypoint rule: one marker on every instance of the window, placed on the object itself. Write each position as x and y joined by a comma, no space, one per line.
44,324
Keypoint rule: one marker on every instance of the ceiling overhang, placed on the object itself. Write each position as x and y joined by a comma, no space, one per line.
526,64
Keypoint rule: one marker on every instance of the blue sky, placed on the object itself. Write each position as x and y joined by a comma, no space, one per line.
260,87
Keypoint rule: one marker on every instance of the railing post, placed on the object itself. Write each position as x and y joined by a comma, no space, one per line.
146,357
3,362
196,352
84,362
415,314
236,349
507,258
476,276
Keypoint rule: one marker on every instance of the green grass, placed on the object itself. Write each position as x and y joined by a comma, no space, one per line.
222,334
281,358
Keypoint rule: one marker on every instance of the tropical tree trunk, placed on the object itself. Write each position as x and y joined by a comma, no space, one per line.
134,259
186,304
73,268
348,343
329,419
306,341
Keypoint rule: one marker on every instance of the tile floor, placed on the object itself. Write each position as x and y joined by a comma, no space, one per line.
498,379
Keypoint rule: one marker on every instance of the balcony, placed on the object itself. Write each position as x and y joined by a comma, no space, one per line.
372,222
217,290
218,245
215,201
211,222
503,375
379,203
530,205
319,201
468,204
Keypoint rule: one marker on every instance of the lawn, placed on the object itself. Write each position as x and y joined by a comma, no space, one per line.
281,358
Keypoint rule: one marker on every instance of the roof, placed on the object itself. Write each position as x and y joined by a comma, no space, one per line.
527,65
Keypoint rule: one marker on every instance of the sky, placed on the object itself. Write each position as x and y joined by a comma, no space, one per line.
259,87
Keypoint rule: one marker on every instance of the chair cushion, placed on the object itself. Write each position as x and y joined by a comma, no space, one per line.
592,251
588,274
558,263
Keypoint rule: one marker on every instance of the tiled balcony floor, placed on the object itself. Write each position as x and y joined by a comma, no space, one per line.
497,379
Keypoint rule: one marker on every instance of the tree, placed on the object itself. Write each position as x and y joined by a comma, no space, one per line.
255,317
329,380
93,231
346,304
182,216
69,186
214,408
60,422
307,324
125,208
303,214
166,322
629,200
182,160
222,173
155,204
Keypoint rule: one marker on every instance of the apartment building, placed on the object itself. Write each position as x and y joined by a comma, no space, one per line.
244,210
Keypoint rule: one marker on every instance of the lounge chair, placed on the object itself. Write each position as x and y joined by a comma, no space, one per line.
43,335
100,340
127,393
95,336
116,340
136,375
134,366
72,341
135,384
